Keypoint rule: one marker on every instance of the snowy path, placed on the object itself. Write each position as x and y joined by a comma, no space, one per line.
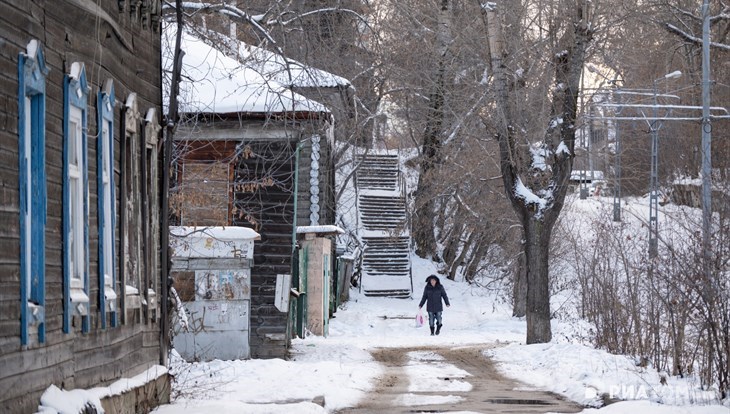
451,380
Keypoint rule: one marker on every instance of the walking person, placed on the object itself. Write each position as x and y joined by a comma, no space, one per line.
433,293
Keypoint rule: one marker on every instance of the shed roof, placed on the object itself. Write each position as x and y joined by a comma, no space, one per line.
288,72
215,83
326,229
276,67
216,232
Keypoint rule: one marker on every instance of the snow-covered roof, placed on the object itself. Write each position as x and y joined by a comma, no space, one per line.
219,233
275,67
215,83
328,229
286,71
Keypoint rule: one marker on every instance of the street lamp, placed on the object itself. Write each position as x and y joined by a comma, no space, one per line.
654,185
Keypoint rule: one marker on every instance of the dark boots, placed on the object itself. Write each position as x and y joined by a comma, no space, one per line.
438,329
432,331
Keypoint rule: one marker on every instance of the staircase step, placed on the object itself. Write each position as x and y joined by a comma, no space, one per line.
386,216
385,207
382,221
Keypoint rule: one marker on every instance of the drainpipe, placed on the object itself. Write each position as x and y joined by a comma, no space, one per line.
300,303
296,197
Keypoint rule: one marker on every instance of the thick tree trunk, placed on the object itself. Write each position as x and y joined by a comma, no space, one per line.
537,243
519,292
424,223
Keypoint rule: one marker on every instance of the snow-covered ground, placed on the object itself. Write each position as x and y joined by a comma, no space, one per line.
340,369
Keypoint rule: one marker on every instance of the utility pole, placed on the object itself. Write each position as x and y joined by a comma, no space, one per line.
617,165
706,141
656,124
654,184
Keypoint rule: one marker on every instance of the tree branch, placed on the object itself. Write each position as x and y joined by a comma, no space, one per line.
279,21
232,12
693,39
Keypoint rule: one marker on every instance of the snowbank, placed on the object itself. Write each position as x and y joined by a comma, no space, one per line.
272,385
585,374
57,401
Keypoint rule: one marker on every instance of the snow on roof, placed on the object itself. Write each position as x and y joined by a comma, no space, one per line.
319,229
215,83
287,71
219,233
276,67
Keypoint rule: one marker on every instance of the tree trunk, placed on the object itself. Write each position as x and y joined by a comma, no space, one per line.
451,245
519,292
537,243
459,260
476,258
431,154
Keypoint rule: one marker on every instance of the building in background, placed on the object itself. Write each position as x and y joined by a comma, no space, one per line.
250,152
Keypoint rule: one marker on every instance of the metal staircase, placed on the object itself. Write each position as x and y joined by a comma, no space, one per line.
382,213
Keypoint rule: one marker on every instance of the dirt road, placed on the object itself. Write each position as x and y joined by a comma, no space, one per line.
443,380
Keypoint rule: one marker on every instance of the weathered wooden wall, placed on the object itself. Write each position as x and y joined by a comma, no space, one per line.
272,207
119,44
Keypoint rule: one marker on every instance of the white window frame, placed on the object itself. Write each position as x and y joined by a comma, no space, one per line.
106,202
107,228
77,259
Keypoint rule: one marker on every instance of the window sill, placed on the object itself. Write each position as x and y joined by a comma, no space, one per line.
110,296
36,314
131,297
79,301
152,297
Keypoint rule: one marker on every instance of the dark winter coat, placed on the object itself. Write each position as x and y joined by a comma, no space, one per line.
433,295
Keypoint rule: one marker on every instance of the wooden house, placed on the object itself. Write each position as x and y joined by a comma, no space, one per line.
80,100
253,154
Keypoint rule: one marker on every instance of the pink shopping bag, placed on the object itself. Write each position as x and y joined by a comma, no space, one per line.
419,319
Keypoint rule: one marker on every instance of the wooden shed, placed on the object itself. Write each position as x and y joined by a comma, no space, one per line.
252,154
80,100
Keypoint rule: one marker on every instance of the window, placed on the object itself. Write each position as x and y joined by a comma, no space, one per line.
75,198
106,201
32,73
131,214
152,239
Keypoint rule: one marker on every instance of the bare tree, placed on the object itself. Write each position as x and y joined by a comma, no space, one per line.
535,177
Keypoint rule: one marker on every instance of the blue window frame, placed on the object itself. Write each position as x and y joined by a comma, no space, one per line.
106,204
75,198
32,72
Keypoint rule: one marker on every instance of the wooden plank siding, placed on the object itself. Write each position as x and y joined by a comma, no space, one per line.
271,205
67,34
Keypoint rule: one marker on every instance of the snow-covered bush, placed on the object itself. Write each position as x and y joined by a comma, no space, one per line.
664,311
